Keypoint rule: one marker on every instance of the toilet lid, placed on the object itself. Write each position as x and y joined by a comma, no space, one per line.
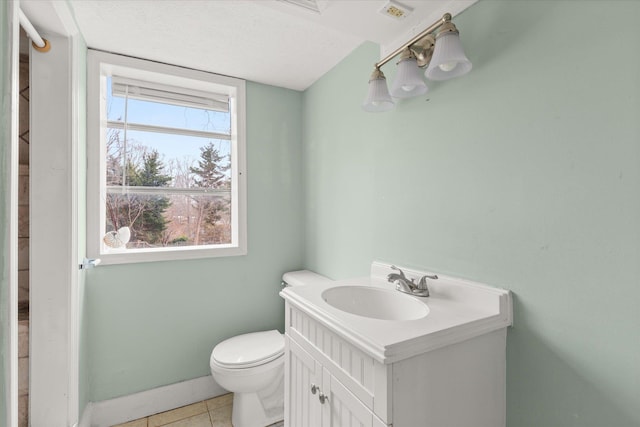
244,351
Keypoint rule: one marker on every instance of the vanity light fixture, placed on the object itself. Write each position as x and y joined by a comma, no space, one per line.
437,48
408,82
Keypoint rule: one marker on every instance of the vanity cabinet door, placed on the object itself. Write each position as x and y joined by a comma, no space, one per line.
342,408
313,397
303,380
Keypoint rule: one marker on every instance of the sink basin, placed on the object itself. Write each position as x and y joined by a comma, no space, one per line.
376,303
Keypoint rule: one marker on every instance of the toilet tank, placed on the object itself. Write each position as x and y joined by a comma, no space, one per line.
303,278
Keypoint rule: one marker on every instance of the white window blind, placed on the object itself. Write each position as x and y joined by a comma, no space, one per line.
154,92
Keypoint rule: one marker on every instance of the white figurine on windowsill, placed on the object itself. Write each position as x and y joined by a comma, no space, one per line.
117,239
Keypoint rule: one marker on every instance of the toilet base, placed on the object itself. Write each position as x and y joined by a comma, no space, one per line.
259,409
248,412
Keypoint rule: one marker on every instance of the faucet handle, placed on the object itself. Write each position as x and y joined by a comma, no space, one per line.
393,267
422,284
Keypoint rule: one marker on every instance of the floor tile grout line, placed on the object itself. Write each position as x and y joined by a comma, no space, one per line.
209,413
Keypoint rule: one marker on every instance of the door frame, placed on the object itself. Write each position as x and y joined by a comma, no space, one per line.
10,200
54,250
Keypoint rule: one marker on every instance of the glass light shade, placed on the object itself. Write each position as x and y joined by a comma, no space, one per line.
448,59
408,81
378,99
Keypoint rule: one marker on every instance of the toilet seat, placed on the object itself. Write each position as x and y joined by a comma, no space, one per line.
238,373
248,350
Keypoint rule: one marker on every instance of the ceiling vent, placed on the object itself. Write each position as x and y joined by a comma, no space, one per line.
310,5
395,10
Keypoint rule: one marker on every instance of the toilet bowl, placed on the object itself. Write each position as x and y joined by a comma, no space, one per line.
252,367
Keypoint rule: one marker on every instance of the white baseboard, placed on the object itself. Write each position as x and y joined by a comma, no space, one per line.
138,405
85,419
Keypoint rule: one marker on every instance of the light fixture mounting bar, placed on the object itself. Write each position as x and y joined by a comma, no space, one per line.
445,18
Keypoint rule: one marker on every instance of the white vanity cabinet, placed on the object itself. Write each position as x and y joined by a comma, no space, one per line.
455,386
315,398
446,369
303,372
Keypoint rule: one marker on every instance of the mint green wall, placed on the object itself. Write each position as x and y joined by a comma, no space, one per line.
155,323
524,174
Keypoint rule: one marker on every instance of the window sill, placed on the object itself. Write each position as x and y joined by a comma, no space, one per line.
133,256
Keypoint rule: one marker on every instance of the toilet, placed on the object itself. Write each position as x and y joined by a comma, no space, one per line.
252,367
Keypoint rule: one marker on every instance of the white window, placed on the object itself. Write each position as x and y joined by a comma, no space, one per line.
166,162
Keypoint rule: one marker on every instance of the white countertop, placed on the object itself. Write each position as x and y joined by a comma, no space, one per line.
458,310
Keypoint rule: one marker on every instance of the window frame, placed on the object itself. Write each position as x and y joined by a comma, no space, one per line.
99,66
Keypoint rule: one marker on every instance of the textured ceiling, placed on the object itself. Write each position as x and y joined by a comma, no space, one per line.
266,41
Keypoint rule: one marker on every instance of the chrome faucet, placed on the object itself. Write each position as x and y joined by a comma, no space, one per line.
409,286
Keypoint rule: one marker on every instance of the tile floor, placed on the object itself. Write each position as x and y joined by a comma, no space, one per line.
214,412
